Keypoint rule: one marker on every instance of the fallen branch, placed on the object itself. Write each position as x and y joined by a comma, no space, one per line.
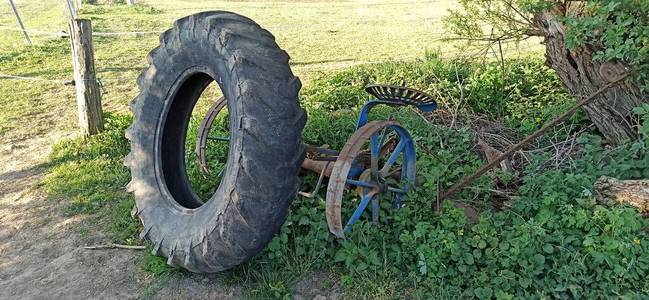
632,192
115,246
469,179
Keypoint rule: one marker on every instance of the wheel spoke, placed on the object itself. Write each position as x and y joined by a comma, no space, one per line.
360,183
375,209
365,199
397,201
397,190
393,158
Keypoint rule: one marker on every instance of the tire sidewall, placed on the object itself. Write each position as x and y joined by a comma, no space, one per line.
168,211
265,150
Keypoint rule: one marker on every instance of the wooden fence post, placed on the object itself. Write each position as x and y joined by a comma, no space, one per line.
20,23
71,8
91,118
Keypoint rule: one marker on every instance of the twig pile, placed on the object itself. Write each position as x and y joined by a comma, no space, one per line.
491,138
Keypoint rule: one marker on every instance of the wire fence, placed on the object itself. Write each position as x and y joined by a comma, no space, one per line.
99,79
69,11
320,4
486,53
65,34
316,66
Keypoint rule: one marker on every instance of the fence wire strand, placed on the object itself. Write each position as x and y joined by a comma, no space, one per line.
62,33
486,53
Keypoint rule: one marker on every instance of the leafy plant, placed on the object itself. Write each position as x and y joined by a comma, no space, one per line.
616,29
555,241
523,91
619,29
643,112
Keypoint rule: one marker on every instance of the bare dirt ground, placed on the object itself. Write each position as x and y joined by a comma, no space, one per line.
41,252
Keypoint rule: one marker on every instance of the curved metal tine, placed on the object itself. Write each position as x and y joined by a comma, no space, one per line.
217,177
221,173
396,190
318,184
397,200
365,200
204,170
393,158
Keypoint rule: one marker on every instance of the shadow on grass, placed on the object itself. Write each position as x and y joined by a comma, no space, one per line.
89,174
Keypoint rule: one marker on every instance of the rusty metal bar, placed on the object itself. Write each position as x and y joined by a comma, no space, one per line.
469,179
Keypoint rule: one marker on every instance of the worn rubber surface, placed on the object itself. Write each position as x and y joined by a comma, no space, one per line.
266,149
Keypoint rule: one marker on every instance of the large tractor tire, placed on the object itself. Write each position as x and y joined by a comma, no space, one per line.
265,152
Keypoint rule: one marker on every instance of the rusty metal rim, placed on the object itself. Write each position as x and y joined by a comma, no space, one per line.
204,131
341,168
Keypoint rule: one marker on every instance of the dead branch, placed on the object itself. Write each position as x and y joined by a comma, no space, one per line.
114,246
469,179
632,192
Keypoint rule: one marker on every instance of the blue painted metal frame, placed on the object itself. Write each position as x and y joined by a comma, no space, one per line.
363,116
406,149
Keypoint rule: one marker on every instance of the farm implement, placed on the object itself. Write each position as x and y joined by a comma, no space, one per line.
378,159
260,122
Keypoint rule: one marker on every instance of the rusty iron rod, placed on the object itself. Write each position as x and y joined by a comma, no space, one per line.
469,179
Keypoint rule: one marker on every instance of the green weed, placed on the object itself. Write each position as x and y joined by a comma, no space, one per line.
555,241
522,92
155,265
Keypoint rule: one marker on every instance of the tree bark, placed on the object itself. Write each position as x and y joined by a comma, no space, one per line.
632,192
611,112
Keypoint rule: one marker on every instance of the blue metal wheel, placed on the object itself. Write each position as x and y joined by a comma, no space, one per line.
379,161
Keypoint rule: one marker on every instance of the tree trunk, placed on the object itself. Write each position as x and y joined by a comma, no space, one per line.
611,112
632,192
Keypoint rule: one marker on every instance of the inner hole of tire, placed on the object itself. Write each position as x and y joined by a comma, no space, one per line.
190,182
205,178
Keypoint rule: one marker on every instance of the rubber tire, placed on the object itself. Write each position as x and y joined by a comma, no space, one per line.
265,154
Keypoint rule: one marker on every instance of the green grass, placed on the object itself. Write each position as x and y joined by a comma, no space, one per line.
88,175
414,252
546,240
318,36
44,106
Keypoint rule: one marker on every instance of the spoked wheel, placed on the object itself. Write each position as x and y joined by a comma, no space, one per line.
379,160
210,136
